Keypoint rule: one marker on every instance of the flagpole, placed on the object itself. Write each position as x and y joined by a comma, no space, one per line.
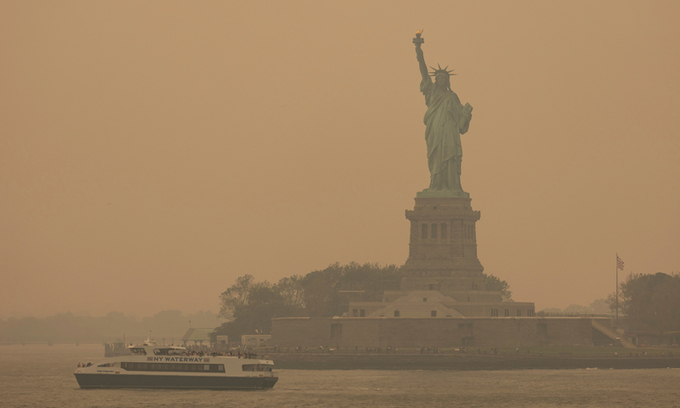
617,290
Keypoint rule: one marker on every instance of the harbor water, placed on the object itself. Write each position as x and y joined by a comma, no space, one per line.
42,376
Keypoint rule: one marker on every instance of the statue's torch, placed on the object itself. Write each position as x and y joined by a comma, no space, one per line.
418,39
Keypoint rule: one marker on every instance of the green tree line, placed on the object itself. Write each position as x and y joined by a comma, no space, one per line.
249,305
649,302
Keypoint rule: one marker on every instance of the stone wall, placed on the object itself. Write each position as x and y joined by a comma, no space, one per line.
436,332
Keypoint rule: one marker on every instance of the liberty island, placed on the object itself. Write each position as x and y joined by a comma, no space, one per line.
444,299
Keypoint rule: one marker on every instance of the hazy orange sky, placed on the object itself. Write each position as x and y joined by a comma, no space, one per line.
152,152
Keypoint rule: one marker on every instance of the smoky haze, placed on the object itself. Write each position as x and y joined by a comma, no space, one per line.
152,152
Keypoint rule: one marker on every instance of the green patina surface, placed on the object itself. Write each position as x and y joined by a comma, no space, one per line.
446,119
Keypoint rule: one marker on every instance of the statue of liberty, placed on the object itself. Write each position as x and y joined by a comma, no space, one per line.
446,119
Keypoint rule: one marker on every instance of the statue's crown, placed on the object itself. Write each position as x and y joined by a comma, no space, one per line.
440,70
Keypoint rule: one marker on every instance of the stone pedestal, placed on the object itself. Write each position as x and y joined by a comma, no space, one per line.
443,247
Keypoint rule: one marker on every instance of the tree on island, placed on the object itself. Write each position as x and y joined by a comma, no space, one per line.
495,283
249,305
649,302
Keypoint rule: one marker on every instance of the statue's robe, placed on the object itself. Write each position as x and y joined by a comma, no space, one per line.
446,119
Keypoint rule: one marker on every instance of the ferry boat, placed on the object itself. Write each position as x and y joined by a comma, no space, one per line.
158,366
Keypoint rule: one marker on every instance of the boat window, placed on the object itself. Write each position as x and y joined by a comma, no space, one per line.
167,351
257,367
138,350
216,368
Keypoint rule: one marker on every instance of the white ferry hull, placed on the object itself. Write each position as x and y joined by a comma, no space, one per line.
102,380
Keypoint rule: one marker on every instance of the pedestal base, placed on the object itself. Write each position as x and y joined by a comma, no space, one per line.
443,244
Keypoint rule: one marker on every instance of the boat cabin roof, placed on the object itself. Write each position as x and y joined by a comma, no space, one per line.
153,348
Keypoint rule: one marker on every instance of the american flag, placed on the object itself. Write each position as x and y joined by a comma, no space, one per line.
619,263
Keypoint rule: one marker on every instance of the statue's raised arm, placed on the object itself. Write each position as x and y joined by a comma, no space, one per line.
419,55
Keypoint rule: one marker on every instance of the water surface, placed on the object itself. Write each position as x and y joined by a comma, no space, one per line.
42,376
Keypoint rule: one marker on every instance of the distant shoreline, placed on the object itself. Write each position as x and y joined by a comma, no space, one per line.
307,361
574,359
